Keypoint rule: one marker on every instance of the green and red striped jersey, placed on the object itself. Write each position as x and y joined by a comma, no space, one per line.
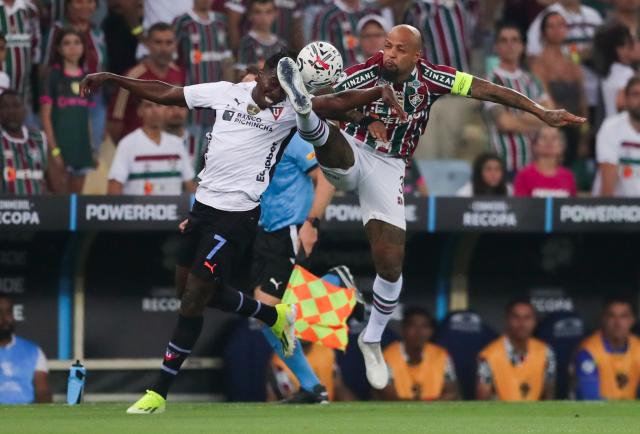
203,47
417,94
23,162
253,51
514,148
338,25
19,23
444,25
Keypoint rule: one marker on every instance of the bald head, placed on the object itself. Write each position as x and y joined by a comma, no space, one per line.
409,34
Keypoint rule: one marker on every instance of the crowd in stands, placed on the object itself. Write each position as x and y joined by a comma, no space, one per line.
578,55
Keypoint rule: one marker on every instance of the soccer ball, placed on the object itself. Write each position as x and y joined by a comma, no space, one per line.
320,64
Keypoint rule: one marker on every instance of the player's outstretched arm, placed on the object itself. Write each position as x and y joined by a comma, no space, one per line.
487,91
152,90
338,105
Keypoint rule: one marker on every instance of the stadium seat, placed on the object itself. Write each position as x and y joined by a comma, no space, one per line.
246,356
444,177
563,331
464,334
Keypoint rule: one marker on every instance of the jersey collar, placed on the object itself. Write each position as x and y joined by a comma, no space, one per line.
11,343
25,136
608,349
197,18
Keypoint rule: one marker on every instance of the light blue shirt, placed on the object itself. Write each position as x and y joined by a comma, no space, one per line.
289,197
19,361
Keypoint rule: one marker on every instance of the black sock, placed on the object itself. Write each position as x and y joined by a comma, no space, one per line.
228,299
184,338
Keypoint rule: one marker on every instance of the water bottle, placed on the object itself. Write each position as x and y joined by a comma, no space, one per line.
75,385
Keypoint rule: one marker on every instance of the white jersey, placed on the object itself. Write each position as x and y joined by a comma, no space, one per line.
245,145
618,143
145,167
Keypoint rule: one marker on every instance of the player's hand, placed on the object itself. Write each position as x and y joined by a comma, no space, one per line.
378,130
560,118
183,225
390,99
92,81
308,236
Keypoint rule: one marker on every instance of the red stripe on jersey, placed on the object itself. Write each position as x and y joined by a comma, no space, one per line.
157,157
463,36
442,36
6,148
21,150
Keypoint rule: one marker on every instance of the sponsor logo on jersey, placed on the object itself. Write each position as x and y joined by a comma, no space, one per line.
416,99
268,162
253,109
227,115
10,174
358,79
276,112
440,78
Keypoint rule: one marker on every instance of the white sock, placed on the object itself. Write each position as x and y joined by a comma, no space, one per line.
313,129
385,300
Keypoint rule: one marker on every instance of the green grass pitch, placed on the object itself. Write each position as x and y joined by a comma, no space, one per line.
367,418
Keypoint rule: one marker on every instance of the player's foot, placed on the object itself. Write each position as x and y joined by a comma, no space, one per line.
318,395
284,328
292,84
150,403
377,372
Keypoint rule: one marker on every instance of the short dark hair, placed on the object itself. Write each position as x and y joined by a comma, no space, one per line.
160,27
412,311
619,299
522,299
271,64
545,20
503,25
632,82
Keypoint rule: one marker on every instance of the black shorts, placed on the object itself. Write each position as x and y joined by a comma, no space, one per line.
274,255
215,243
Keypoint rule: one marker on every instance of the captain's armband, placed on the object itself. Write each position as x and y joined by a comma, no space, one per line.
462,84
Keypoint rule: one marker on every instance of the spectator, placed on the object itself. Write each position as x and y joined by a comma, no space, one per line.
149,161
64,113
618,149
581,23
608,363
122,28
626,12
203,51
488,178
194,138
546,177
372,32
157,66
614,50
517,366
337,24
5,81
50,12
155,12
23,365
282,384
511,130
288,25
420,370
562,77
24,160
522,12
414,183
22,31
259,43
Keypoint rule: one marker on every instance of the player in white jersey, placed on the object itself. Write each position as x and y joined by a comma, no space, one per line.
254,123
369,154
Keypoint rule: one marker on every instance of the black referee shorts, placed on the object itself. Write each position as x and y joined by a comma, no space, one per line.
274,255
215,243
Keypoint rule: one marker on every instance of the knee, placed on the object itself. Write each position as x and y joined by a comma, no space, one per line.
388,264
195,297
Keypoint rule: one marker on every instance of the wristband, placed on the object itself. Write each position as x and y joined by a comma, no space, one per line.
367,120
315,222
56,151
137,30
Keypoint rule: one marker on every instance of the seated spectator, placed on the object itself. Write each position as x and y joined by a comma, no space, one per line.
614,51
562,77
23,365
194,138
488,178
618,149
259,43
64,113
283,385
149,161
158,65
546,177
419,369
511,130
25,157
517,366
372,32
608,363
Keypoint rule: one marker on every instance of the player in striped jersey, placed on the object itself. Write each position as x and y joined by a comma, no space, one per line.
338,24
369,154
203,50
512,130
19,23
24,153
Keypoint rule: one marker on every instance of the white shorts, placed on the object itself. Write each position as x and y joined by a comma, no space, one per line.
379,180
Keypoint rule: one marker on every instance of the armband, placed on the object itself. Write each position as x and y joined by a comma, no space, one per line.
56,151
462,84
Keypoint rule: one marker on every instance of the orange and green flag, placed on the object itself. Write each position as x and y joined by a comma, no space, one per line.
323,308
